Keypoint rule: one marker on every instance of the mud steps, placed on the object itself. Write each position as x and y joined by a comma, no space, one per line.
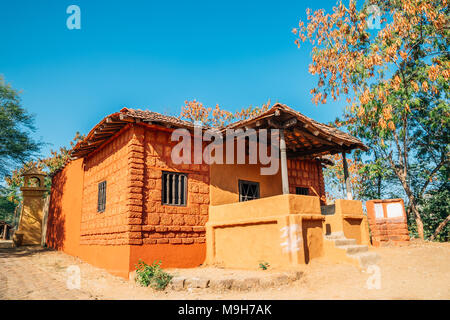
354,251
224,283
6,244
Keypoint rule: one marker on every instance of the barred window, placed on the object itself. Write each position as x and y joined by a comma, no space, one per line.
101,203
248,190
302,191
174,188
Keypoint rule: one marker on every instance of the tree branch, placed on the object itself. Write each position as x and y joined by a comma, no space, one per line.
436,169
440,227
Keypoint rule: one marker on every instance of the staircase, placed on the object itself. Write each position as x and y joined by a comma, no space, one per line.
5,244
339,248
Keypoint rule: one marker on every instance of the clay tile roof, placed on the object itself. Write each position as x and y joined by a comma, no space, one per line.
115,122
307,125
150,116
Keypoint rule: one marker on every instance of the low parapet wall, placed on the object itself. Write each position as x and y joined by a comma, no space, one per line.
348,218
284,231
388,222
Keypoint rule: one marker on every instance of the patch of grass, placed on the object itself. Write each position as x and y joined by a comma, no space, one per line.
264,265
152,275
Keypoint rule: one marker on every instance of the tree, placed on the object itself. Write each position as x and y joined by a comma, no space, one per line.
435,209
16,126
7,207
52,164
194,111
395,80
58,159
334,177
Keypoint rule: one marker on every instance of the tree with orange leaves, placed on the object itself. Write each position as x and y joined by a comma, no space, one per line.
390,60
195,111
51,164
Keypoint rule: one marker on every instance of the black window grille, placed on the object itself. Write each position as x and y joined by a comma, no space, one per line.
248,190
174,188
302,191
101,203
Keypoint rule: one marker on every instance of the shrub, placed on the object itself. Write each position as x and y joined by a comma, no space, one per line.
152,275
434,208
264,265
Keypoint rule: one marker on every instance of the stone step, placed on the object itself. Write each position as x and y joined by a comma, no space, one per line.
366,258
230,283
335,235
354,248
344,242
5,244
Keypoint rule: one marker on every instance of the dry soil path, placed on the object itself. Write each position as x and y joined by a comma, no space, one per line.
418,271
21,278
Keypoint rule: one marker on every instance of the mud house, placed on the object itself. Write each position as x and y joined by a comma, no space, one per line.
124,197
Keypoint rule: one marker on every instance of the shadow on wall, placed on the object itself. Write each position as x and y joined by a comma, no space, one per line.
56,220
312,239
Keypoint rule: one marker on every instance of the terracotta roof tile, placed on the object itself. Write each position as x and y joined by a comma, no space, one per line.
113,123
147,115
304,119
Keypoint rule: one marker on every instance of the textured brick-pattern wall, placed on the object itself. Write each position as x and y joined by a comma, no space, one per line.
389,230
385,230
164,224
306,173
132,164
109,163
135,185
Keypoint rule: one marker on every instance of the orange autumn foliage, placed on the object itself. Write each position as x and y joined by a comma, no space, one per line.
195,111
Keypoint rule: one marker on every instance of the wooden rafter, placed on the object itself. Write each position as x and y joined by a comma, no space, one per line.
315,151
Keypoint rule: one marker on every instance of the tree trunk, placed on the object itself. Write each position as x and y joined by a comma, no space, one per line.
412,203
440,227
379,187
379,178
419,223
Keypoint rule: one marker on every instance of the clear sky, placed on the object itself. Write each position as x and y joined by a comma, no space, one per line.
153,55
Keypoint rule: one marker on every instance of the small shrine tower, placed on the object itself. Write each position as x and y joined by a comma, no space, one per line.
29,231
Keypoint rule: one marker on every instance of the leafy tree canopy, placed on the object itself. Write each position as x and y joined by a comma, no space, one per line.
16,127
395,78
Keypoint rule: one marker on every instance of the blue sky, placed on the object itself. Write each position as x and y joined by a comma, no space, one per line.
155,55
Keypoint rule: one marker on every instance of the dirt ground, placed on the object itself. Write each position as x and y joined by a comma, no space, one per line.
418,271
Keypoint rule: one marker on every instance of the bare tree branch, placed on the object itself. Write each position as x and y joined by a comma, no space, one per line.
440,227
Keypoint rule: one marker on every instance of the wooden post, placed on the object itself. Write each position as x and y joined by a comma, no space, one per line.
44,221
347,178
284,172
5,228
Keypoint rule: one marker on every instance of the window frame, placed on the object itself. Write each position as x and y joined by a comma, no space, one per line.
305,188
101,196
258,190
163,190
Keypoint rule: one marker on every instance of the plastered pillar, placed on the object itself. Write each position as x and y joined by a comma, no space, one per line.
30,224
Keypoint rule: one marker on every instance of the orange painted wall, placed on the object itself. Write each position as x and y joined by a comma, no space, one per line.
180,230
225,182
171,255
109,163
301,173
135,225
64,218
64,223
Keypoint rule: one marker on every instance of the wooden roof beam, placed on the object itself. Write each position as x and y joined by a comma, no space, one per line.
300,135
113,121
315,151
312,137
126,118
